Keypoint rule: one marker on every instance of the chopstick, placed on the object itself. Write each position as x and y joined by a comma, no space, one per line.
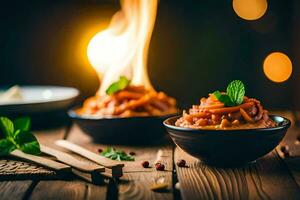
113,167
70,160
51,164
92,177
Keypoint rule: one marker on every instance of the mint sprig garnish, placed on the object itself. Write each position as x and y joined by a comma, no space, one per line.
234,96
17,135
121,84
114,154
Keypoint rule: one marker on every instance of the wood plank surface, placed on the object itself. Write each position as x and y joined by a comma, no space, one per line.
267,178
272,177
289,149
14,190
136,182
67,190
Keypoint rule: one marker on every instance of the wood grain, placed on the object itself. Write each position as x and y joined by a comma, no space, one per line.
136,182
67,190
292,143
268,178
138,186
15,190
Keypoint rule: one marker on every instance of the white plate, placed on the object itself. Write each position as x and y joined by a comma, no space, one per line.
37,99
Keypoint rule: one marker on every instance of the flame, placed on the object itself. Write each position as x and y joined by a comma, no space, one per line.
122,48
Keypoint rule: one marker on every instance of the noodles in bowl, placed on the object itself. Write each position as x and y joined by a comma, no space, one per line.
212,113
227,128
126,114
133,101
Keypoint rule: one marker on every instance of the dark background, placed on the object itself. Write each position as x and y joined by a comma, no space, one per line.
196,47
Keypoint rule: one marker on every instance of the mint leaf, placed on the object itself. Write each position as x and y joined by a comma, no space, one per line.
22,124
121,84
224,98
6,146
236,91
27,142
6,126
113,154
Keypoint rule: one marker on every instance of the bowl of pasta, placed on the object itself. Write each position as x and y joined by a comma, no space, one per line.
127,114
227,128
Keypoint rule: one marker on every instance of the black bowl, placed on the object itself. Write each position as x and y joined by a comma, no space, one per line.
129,130
228,147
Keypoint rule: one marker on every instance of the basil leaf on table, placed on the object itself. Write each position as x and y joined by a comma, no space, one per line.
113,154
6,126
121,84
27,142
6,146
22,123
17,135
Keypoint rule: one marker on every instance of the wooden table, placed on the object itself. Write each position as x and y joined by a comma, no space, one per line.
275,176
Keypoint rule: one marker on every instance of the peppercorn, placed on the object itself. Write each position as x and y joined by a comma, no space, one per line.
181,163
100,150
132,153
284,149
160,166
145,164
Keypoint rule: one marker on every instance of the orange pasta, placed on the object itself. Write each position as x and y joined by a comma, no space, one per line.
130,102
213,114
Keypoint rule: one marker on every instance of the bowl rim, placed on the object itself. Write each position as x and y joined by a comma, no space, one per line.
73,96
72,114
286,124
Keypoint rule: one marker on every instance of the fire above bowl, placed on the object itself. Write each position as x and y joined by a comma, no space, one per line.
128,130
228,147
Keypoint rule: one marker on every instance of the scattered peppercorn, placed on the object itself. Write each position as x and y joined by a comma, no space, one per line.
145,164
100,150
181,163
160,166
132,153
284,149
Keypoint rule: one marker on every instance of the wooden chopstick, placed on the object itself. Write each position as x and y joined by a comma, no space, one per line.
41,161
113,167
70,160
92,177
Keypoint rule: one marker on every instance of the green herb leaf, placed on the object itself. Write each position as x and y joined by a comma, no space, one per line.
6,146
22,123
236,91
17,136
27,142
121,84
223,98
6,126
113,154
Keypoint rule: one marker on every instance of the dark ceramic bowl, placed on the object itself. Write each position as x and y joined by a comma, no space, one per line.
228,147
130,130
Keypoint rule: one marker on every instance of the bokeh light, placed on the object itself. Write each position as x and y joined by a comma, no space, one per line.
250,9
277,67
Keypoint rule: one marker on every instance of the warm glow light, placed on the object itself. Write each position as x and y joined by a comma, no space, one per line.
122,48
250,9
278,67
